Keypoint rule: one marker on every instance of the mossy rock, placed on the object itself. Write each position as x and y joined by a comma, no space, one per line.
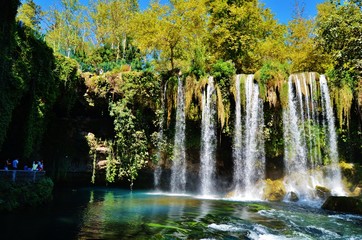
344,204
274,191
322,192
349,171
357,192
255,207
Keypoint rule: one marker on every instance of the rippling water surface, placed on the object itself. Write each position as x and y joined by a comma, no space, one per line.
100,213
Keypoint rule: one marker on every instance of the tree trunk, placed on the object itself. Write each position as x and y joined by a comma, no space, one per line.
124,42
117,51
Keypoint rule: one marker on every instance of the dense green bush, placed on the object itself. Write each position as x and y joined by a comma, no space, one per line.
222,71
24,194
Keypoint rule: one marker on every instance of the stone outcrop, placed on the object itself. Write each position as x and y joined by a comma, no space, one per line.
322,192
293,197
344,204
274,190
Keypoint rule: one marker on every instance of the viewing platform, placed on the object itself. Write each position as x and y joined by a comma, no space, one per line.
21,175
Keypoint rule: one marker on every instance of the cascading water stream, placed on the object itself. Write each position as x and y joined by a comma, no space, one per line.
178,170
249,161
307,100
315,122
295,156
254,141
208,139
303,140
334,178
310,150
238,141
158,170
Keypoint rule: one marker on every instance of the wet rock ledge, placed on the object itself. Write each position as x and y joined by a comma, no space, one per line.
344,204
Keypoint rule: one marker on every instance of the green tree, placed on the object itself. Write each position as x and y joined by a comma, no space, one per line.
67,28
339,33
237,29
29,85
30,14
302,49
272,48
170,30
130,150
10,87
112,23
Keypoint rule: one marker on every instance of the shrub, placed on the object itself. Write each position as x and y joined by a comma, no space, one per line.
24,194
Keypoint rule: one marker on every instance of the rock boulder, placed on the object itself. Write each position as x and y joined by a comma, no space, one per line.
274,190
344,204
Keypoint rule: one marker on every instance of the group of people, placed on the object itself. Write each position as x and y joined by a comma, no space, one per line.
37,165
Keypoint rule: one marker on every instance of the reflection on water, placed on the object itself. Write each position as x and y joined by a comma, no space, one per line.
101,213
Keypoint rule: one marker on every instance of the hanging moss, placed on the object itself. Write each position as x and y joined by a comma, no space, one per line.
283,94
220,107
223,72
190,86
342,98
242,89
271,77
199,88
233,88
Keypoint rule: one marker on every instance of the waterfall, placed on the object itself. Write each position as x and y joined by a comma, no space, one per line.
249,153
334,177
295,156
315,122
208,139
178,170
158,170
303,138
254,140
237,144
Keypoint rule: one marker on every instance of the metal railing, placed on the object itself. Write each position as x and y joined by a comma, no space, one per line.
21,175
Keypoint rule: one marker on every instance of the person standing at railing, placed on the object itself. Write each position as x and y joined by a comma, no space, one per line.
35,166
40,165
7,164
15,164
